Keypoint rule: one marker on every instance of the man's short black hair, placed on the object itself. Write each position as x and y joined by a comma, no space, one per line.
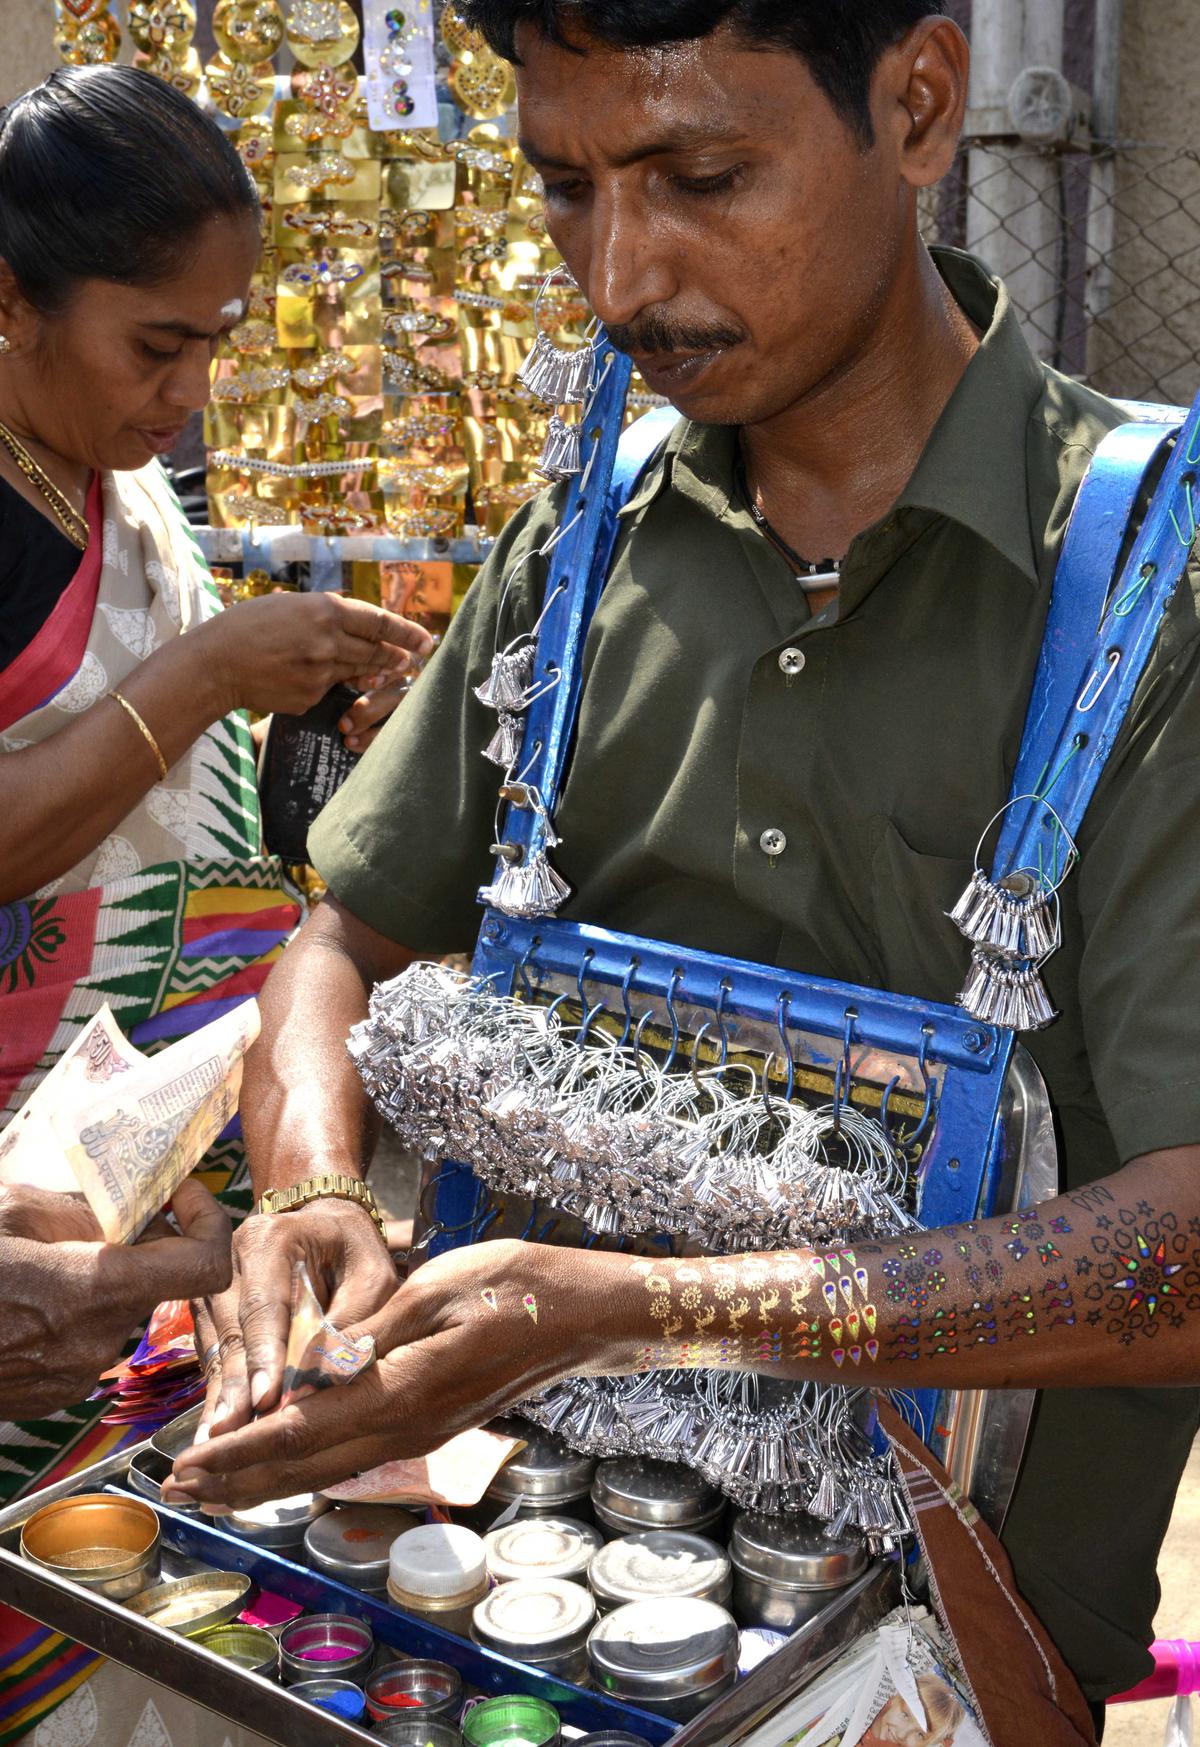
840,40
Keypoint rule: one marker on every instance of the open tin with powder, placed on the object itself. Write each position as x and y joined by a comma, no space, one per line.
100,1541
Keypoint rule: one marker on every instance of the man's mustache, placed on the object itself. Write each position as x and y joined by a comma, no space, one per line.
656,334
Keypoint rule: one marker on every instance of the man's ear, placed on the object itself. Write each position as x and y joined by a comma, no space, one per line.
919,99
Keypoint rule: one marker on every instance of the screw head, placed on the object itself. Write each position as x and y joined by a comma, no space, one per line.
976,1042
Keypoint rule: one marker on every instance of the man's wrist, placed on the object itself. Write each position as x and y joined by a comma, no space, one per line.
344,1188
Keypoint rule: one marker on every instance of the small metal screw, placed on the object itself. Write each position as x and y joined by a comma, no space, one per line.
975,1042
493,931
952,1165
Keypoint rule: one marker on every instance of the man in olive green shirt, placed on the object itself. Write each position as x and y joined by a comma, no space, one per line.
769,775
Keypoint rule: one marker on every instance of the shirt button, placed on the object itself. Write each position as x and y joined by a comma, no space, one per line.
772,842
792,662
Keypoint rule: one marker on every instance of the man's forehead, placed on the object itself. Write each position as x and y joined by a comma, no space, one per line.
624,104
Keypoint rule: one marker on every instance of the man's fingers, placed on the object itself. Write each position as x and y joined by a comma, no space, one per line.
219,1343
368,1301
324,1438
265,1313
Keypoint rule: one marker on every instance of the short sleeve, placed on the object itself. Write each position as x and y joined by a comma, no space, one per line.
405,843
1139,898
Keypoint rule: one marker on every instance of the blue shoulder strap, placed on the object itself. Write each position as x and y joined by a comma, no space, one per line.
1099,635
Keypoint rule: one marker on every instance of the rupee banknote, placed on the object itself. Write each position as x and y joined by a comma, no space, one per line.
125,1128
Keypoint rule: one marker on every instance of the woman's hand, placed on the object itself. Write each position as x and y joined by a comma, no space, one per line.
467,1336
71,1301
283,652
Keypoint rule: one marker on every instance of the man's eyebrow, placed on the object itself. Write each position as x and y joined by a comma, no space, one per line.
677,139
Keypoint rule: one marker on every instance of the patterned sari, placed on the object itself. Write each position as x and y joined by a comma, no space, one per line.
173,919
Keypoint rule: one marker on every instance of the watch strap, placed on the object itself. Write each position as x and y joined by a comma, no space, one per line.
332,1187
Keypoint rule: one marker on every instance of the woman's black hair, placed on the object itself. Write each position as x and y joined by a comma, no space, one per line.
109,173
840,40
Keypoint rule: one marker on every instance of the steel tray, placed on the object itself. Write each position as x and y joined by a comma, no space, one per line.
182,1666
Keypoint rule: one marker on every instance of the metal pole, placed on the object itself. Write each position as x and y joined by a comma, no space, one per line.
1102,190
1014,219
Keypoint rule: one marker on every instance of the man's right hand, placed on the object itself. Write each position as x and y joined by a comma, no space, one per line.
352,1274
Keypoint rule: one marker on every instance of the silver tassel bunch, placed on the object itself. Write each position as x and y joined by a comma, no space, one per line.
783,1448
564,378
579,1122
1013,929
562,453
507,686
583,1124
527,889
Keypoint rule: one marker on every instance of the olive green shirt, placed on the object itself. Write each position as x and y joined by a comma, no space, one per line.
876,738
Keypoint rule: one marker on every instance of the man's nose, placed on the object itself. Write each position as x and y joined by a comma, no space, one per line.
629,270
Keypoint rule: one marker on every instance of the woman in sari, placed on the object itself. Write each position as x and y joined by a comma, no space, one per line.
131,870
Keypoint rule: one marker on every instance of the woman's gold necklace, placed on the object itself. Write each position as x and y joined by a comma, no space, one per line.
73,525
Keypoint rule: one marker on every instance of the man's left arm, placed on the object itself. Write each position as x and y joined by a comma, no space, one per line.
1097,1287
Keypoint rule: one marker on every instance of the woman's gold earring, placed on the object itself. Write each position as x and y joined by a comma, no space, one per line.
5,343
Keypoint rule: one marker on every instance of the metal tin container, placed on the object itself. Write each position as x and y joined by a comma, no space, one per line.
189,1604
542,1621
439,1572
541,1547
147,1471
670,1657
785,1567
335,1645
340,1697
418,1732
658,1563
415,1689
352,1542
526,1722
179,1434
543,1479
248,1647
280,1524
611,1738
98,1541
631,1493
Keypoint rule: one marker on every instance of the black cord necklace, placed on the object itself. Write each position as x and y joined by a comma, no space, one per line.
814,578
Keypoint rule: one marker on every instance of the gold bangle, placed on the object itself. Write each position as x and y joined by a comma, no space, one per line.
145,733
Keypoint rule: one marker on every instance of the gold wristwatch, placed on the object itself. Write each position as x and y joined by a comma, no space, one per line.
331,1188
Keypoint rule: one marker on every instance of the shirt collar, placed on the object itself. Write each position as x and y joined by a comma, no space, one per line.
973,469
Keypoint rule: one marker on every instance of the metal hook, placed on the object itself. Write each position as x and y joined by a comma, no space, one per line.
523,968
841,1080
927,1032
781,1019
1191,507
725,989
676,980
642,1023
588,1020
886,1100
626,987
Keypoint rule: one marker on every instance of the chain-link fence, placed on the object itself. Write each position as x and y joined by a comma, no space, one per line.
1101,253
